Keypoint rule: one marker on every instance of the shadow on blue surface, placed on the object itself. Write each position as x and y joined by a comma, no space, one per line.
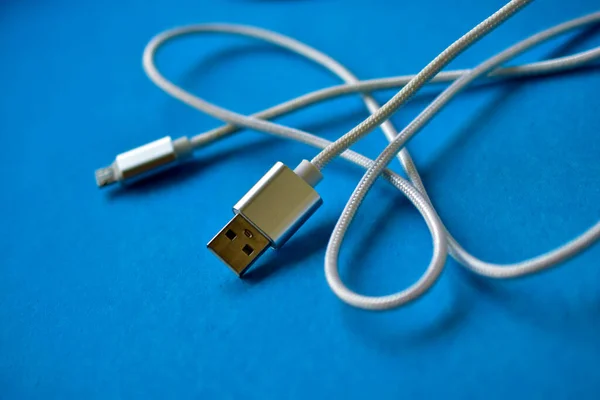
389,336
292,254
544,309
316,238
507,92
181,173
540,309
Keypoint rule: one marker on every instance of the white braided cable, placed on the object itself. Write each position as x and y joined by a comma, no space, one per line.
418,81
415,192
369,178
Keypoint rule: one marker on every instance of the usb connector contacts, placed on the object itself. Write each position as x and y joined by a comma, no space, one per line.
268,215
238,244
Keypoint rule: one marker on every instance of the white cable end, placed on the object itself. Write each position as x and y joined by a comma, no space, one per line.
307,171
144,160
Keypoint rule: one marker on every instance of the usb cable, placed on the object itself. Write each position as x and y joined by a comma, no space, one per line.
276,207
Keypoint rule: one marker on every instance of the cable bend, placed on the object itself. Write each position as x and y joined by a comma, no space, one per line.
413,190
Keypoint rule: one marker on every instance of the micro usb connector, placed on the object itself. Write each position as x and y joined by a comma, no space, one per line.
268,215
144,160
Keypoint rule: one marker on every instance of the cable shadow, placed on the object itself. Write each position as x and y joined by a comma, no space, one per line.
293,253
193,78
542,309
207,63
357,258
198,71
394,332
388,332
186,170
333,123
576,41
229,54
512,85
423,99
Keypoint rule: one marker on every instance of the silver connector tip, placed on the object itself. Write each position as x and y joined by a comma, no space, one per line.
105,176
144,160
238,244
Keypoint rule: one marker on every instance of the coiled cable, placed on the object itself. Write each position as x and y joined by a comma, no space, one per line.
414,190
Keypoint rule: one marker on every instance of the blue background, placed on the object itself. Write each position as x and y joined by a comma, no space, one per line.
112,294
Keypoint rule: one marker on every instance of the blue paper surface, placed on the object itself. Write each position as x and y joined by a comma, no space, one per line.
112,294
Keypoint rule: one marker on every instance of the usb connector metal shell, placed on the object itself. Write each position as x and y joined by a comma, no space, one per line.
274,209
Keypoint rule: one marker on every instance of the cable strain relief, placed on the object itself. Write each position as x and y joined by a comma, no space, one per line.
307,171
183,147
